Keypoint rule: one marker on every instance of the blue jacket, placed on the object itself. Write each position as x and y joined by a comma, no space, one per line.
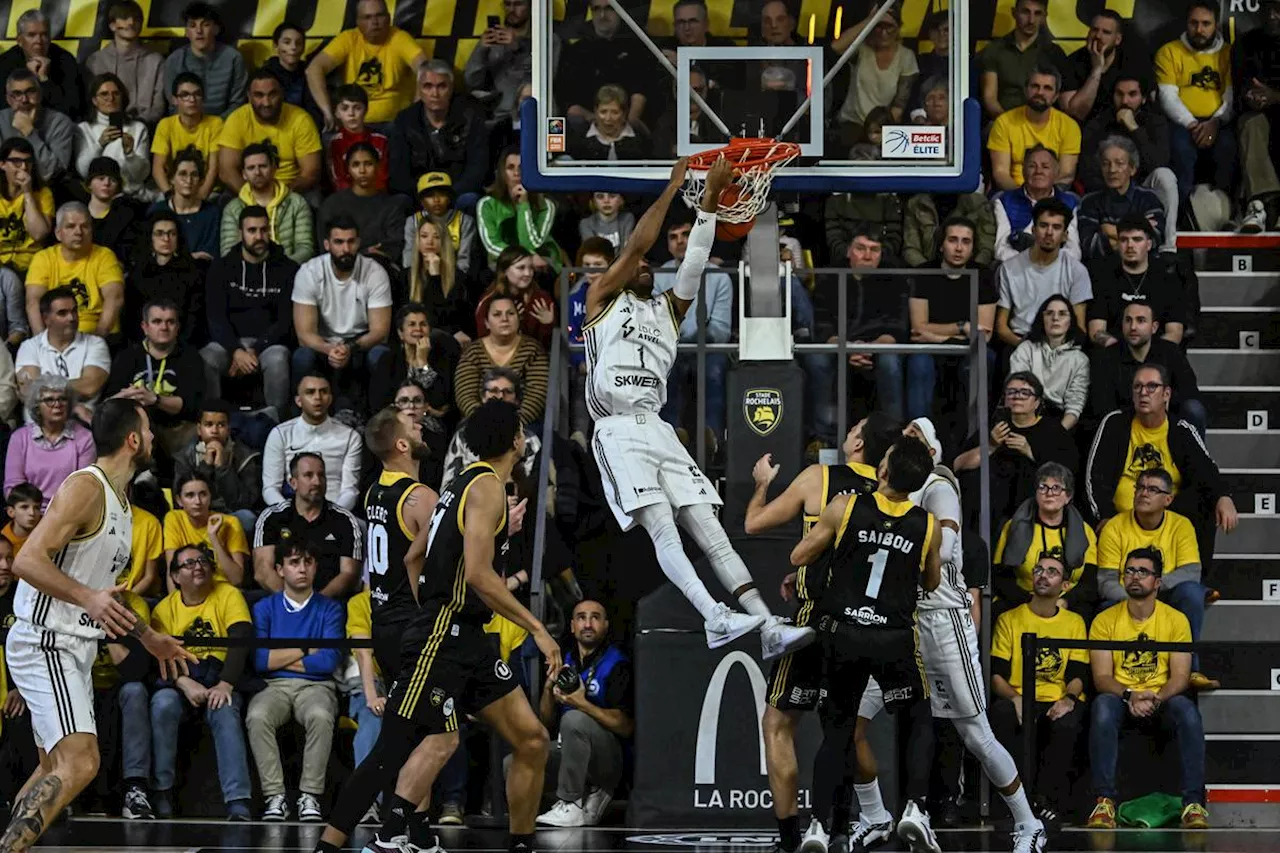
322,618
1108,207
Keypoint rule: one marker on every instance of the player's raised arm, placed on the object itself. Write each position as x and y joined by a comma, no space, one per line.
486,502
701,238
822,535
764,514
75,509
623,270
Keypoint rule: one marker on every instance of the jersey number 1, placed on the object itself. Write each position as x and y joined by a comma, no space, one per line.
878,561
641,349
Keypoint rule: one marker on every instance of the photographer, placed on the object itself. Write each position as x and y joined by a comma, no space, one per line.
592,702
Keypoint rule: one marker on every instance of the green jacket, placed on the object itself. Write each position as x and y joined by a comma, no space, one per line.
921,229
502,224
293,228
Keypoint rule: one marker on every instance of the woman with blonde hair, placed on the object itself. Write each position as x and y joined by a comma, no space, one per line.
432,279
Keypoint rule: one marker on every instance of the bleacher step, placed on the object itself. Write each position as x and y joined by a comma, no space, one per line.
1245,483
1228,406
1233,621
1245,577
1240,711
1235,367
1232,289
1222,327
1242,448
1242,759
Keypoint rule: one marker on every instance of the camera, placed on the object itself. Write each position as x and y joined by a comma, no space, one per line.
567,680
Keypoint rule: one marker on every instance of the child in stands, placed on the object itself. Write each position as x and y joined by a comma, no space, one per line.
351,106
436,202
24,508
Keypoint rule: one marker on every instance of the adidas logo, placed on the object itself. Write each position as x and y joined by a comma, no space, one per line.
330,538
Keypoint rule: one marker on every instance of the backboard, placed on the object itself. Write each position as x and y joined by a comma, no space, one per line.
795,80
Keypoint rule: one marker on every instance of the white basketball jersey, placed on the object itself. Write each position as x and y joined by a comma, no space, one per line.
95,560
940,496
630,349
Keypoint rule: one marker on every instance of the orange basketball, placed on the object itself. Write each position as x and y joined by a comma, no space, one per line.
732,231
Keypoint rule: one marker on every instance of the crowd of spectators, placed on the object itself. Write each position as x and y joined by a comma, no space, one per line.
266,257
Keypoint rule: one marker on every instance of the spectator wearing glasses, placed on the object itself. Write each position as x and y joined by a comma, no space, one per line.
26,205
1021,440
1049,526
54,67
128,143
503,59
164,269
1136,690
1152,525
199,604
52,445
1115,366
377,56
1058,696
188,127
1130,441
138,68
220,66
499,383
410,398
51,133
62,350
199,220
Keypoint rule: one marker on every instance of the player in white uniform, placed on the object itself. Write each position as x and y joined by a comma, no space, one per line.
650,479
949,648
65,603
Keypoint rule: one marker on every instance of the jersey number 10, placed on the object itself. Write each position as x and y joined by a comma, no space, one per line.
376,548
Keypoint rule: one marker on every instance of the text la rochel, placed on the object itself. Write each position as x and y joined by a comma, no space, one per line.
707,797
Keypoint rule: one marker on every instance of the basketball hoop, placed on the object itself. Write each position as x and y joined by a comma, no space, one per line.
755,162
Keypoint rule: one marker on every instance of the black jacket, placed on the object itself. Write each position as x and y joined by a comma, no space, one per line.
1202,483
63,91
876,305
460,147
247,300
1111,375
181,375
1151,139
1170,285
180,280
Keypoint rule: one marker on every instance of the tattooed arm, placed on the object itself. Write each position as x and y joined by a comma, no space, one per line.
419,504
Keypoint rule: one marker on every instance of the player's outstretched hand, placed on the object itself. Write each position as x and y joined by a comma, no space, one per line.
550,650
105,608
678,171
169,652
765,471
719,176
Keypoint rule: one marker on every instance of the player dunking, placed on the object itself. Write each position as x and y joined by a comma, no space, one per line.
449,668
949,648
794,684
882,548
650,479
65,603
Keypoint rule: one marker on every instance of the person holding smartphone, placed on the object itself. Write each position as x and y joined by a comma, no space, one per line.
504,59
110,132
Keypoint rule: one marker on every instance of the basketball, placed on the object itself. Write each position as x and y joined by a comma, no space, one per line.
732,231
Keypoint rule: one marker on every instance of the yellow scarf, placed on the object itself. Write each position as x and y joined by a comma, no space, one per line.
282,190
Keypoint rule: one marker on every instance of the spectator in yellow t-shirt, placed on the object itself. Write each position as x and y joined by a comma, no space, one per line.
143,574
1036,123
189,127
1137,688
1193,73
267,118
26,204
198,607
191,523
1061,675
367,700
92,272
380,58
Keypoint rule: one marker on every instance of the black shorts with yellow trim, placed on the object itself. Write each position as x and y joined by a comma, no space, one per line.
453,672
852,654
795,684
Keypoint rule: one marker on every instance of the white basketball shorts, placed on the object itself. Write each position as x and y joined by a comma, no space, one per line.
949,647
54,673
643,463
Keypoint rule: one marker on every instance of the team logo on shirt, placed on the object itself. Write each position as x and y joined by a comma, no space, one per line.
80,290
1207,78
762,407
1145,457
1140,666
13,229
370,74
1048,664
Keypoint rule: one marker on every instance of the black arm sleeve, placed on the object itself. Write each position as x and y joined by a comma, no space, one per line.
1075,669
1001,667
236,657
137,665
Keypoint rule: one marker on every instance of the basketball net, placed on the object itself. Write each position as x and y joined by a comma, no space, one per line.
755,162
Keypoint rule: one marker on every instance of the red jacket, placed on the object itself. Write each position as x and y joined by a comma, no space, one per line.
338,147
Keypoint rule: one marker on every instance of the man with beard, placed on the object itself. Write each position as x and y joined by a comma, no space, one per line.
342,317
1089,75
503,60
1035,123
1132,275
1115,363
1193,73
292,225
652,481
1137,688
267,118
1007,62
65,608
250,311
1032,276
595,718
1061,675
1258,73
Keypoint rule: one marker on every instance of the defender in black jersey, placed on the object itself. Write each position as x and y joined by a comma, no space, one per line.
449,667
795,682
882,548
397,508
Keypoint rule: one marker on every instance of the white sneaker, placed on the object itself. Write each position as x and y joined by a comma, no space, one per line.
778,638
277,808
397,844
915,830
1254,220
814,840
309,809
564,814
1029,838
727,625
864,836
598,800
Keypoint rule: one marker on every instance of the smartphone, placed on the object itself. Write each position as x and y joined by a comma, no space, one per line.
116,120
511,489
494,22
1002,415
